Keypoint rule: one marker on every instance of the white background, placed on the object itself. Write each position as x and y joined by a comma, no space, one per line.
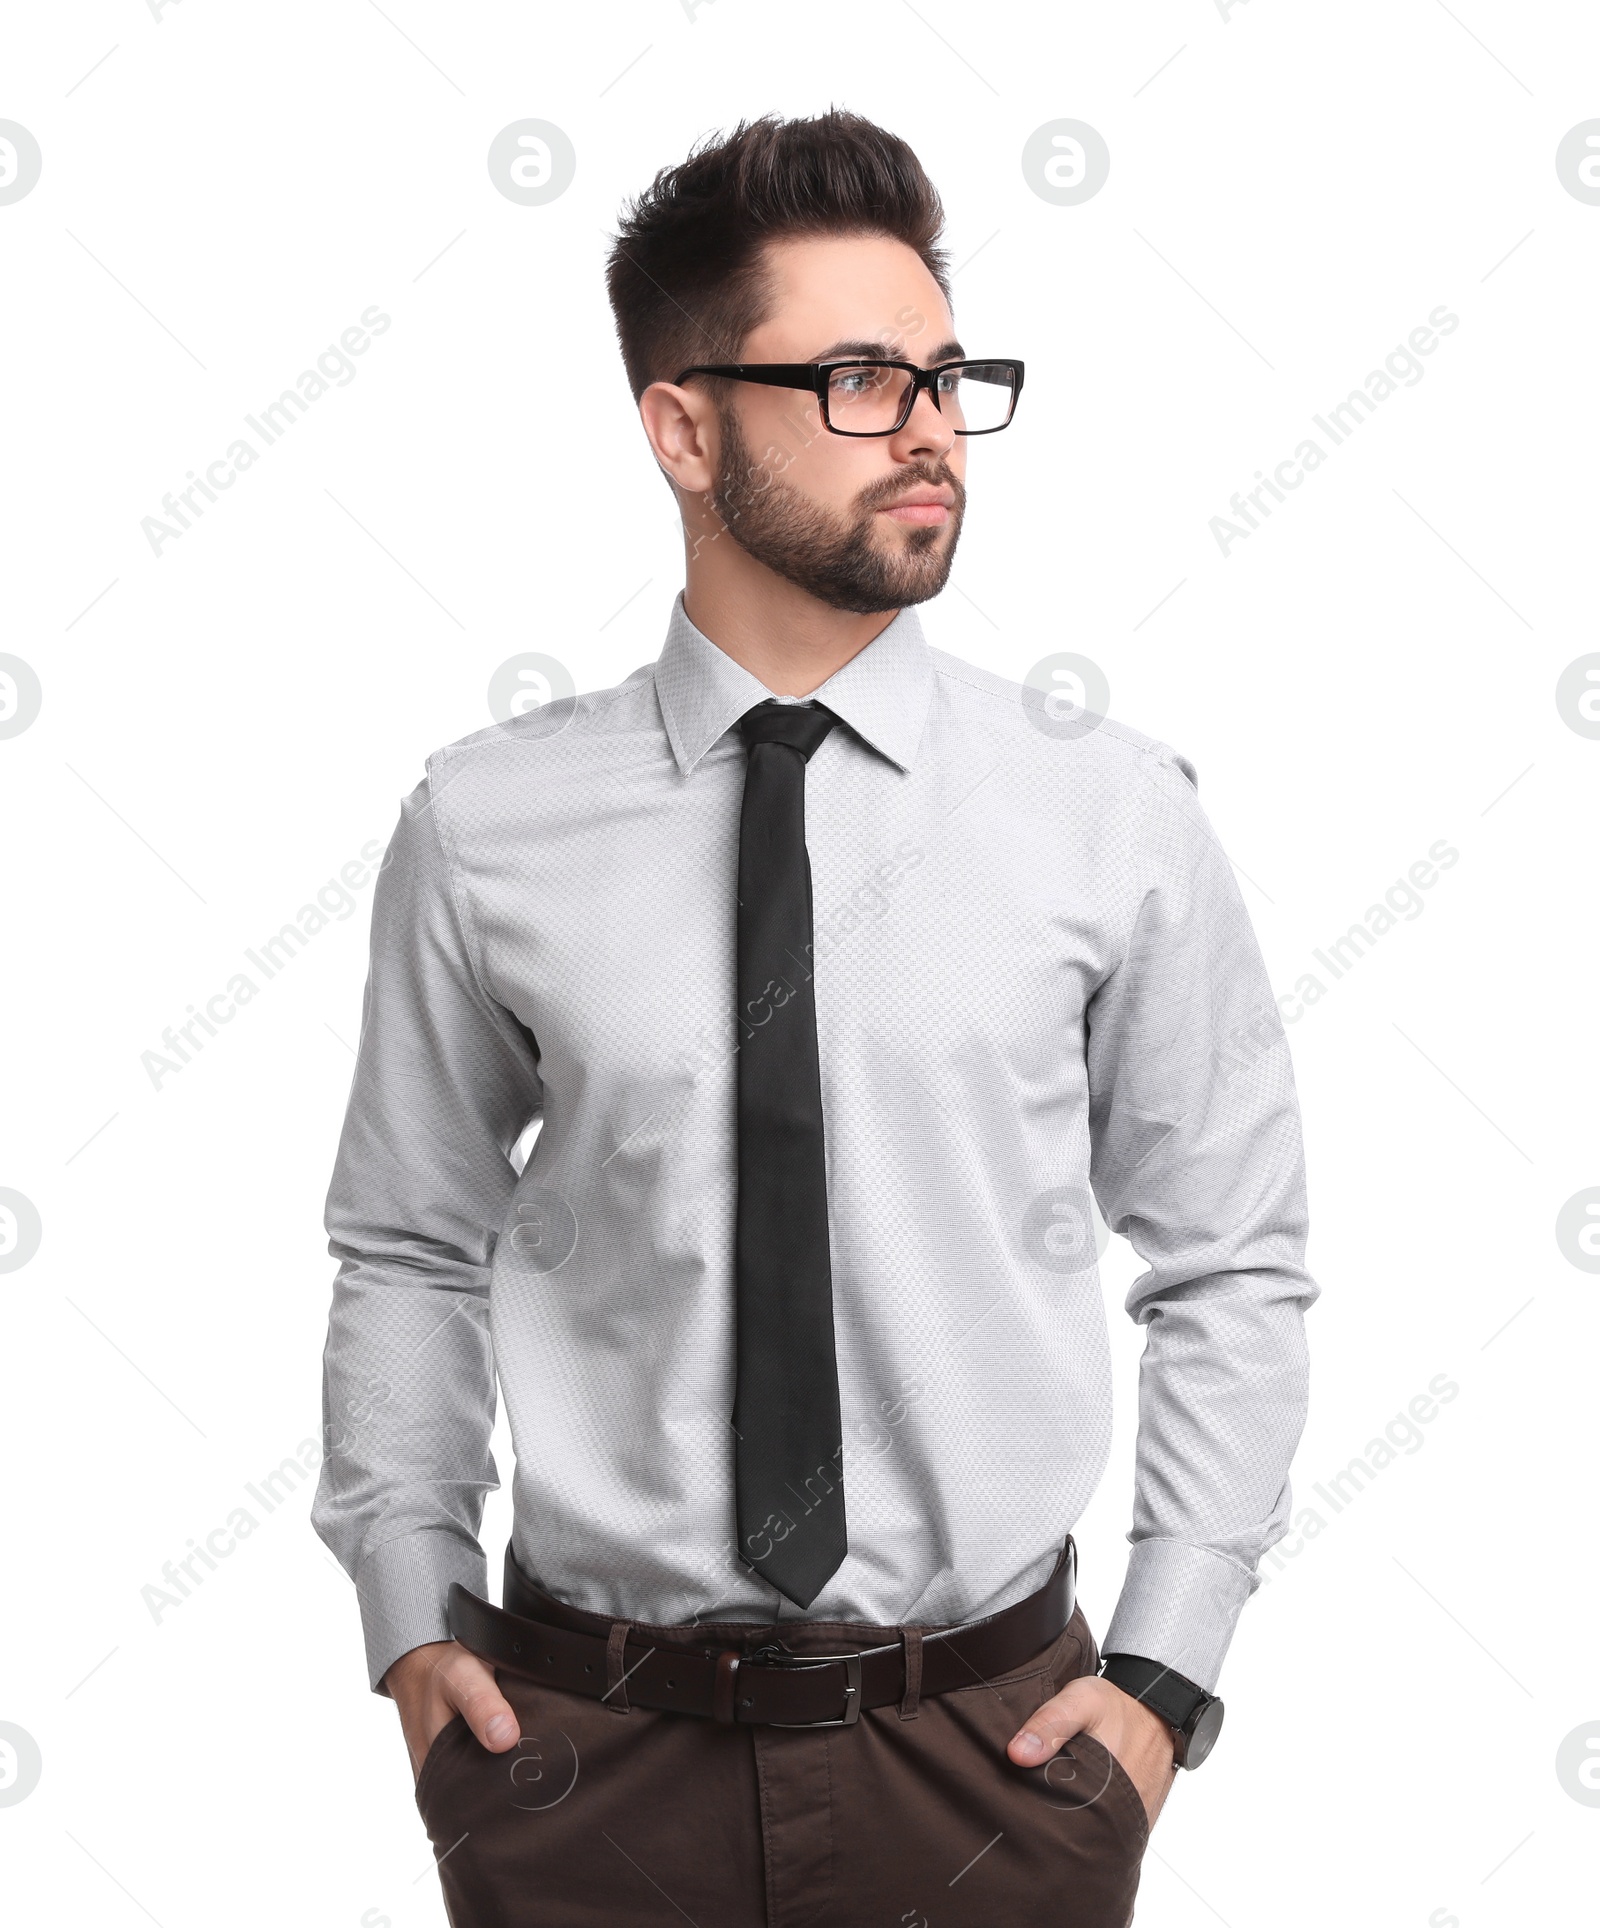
226,724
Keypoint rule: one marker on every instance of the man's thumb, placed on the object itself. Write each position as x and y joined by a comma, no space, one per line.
485,1709
1050,1726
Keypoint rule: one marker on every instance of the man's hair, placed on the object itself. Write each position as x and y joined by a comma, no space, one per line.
686,273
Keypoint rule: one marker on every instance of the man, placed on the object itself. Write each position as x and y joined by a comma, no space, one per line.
837,971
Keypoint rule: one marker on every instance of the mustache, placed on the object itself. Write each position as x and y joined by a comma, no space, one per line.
912,475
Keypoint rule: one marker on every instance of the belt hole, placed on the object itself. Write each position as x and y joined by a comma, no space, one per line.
588,1666
516,1646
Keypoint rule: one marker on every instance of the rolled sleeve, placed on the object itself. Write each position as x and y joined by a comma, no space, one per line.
1197,1158
446,1082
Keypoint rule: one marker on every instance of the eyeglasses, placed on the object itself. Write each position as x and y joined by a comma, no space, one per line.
859,397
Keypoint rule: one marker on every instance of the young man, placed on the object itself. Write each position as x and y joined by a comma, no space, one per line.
837,971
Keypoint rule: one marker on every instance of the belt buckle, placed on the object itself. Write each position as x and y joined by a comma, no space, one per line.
772,1657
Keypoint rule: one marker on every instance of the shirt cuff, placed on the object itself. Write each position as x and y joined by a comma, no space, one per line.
403,1587
1179,1606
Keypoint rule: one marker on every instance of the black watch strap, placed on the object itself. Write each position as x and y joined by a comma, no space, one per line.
1162,1691
1194,1715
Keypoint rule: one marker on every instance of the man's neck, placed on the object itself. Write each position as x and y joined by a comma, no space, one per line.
782,634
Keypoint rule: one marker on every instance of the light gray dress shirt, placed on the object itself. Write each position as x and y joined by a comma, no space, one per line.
1034,974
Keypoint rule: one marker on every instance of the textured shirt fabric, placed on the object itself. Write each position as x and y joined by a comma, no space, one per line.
1034,975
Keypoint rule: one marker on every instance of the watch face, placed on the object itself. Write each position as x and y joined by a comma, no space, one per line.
1203,1735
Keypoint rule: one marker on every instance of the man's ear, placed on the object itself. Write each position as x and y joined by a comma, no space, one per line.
682,427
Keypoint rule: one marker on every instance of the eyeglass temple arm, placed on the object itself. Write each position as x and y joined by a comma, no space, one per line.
768,374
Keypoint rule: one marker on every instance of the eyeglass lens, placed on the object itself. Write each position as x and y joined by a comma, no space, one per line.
867,398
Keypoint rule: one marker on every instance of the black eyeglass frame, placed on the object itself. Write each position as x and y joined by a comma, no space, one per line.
814,376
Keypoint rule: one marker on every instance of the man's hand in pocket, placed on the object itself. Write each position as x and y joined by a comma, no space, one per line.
432,1684
1139,1739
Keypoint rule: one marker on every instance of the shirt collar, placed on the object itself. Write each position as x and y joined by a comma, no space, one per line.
883,692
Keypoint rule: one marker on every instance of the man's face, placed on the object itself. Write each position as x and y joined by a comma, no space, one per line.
863,524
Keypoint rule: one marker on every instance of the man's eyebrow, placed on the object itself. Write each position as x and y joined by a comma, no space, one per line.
877,351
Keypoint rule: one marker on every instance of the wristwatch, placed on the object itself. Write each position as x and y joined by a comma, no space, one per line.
1194,1716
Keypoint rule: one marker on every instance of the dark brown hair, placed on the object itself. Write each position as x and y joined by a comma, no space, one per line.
685,274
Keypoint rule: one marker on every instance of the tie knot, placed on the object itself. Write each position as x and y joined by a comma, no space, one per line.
800,725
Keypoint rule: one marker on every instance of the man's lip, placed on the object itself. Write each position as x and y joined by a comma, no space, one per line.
922,508
924,498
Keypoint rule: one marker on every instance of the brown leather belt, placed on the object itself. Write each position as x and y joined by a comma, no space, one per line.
771,1684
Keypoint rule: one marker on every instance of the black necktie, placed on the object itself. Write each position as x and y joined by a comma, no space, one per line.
788,1445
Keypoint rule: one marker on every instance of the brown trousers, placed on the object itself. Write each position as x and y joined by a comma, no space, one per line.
913,1817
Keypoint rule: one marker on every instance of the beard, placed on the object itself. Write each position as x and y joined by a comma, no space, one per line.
834,557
